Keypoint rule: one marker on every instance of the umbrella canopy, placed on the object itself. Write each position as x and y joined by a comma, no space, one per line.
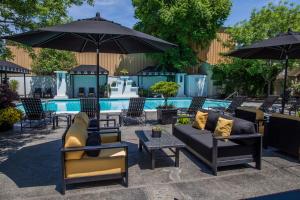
93,35
284,46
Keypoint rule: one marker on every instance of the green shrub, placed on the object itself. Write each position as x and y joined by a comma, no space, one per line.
183,121
14,85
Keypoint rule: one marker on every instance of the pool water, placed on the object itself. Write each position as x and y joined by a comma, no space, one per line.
110,105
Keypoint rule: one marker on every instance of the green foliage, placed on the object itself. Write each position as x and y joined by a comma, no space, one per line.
167,89
18,16
254,77
183,120
190,24
295,86
50,60
14,85
10,115
122,71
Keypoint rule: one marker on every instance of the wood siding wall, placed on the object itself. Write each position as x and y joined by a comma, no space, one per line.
133,62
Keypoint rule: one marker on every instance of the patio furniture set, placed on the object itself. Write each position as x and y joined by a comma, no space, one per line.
106,156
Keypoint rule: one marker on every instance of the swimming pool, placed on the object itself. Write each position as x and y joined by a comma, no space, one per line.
114,105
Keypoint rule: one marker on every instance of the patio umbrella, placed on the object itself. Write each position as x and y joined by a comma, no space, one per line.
284,46
92,35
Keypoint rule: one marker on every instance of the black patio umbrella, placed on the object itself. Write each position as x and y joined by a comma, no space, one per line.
92,35
284,46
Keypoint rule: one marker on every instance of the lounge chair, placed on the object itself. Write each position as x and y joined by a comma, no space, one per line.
135,111
77,166
91,92
81,92
37,93
34,112
268,103
48,93
295,107
236,102
89,106
196,104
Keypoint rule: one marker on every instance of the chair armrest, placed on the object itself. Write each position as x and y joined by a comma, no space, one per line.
236,137
92,148
105,130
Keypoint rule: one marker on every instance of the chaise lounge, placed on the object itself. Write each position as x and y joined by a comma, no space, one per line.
244,145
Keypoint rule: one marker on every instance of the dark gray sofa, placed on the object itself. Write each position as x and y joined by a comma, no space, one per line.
244,144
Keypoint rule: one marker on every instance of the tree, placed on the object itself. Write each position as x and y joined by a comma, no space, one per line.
50,60
191,24
167,89
256,76
24,15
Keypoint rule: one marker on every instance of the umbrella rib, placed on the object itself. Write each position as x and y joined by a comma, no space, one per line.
83,46
149,44
120,46
85,38
113,38
49,39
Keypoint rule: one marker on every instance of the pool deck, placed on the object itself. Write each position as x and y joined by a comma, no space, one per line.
30,169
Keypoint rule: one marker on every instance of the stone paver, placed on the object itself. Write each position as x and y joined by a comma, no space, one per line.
30,169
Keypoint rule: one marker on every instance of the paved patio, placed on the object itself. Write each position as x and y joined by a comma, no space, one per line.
30,169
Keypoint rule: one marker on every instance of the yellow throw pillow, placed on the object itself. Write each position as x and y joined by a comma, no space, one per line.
79,121
200,120
224,127
84,116
75,137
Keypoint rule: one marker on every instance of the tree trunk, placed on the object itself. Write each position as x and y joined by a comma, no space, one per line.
269,83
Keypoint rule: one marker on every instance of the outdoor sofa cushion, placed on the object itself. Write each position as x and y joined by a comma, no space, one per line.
224,127
201,141
200,120
109,161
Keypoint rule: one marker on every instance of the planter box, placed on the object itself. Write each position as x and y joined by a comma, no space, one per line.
165,116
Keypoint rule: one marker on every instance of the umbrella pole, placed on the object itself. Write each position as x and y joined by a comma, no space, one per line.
284,84
97,87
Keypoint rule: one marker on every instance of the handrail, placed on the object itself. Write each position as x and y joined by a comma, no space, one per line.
231,95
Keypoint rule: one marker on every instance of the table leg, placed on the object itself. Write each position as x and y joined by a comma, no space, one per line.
177,157
152,159
140,146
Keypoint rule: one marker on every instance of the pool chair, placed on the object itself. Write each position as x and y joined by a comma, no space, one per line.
81,92
236,102
91,92
34,112
135,112
196,104
89,106
268,103
48,93
87,158
37,93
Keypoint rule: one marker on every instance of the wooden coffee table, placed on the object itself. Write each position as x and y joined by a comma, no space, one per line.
152,145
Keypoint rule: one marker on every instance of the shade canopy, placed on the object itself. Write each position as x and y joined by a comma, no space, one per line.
284,46
274,48
93,35
88,70
155,71
85,35
12,68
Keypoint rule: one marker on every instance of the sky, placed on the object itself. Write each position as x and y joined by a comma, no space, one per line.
122,11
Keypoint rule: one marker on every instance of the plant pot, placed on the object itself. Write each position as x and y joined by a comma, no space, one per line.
156,134
165,116
6,127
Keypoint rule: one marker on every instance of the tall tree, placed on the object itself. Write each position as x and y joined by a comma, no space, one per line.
24,15
191,24
49,60
265,23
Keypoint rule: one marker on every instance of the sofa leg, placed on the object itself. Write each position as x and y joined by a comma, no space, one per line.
63,188
215,170
258,164
125,180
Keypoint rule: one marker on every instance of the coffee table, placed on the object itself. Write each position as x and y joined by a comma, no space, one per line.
152,145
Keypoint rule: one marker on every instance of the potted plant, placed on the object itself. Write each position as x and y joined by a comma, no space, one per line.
9,114
156,132
166,112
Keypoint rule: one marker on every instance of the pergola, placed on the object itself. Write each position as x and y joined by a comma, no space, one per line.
154,71
86,70
7,67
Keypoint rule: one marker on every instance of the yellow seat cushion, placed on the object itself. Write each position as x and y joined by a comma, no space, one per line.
80,122
224,127
75,137
109,161
109,138
200,120
82,117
